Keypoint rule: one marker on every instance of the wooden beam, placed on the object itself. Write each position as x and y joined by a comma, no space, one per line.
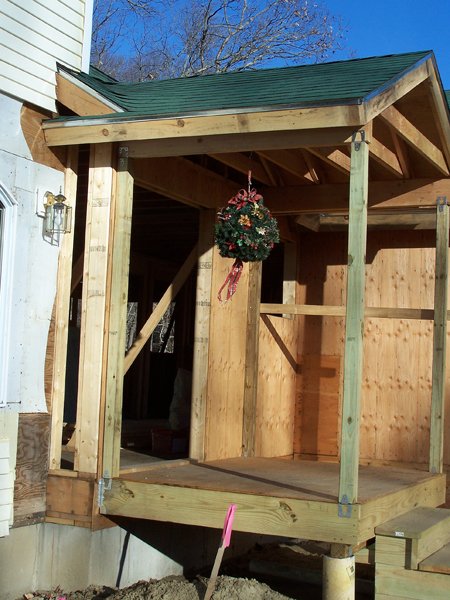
78,100
90,378
242,142
334,157
402,155
182,180
379,102
383,195
374,312
201,335
439,337
157,314
385,157
415,138
354,322
251,360
287,160
242,163
117,318
62,302
124,129
313,173
440,109
311,222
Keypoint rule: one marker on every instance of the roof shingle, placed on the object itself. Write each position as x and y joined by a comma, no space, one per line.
340,82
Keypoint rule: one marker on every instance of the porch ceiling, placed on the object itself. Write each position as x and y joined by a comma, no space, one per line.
299,155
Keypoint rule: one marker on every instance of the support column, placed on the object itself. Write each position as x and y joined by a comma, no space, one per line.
93,306
439,337
354,323
338,578
251,359
116,320
201,334
62,302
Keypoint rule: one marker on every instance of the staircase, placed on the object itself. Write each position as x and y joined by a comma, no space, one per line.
412,556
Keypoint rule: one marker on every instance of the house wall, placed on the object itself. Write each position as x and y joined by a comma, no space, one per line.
34,35
397,352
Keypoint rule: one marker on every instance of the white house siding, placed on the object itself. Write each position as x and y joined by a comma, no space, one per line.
34,36
34,265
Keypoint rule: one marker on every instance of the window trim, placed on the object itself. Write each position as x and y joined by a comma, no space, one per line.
7,253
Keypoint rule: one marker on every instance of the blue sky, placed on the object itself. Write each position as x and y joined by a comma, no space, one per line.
377,27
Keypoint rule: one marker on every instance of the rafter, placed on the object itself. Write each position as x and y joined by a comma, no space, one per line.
385,157
415,138
287,160
334,157
313,174
401,152
242,163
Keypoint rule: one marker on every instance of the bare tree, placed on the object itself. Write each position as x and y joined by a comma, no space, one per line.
188,37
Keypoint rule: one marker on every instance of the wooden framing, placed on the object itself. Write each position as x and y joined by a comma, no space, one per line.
201,336
62,301
116,319
251,361
440,337
357,231
94,307
252,369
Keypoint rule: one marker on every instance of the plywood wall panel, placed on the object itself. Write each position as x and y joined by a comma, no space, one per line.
276,386
397,352
226,365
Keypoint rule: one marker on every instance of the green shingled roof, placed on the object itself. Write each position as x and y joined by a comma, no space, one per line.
342,82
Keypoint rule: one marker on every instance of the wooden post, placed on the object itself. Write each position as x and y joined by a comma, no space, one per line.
117,323
251,359
92,335
62,301
201,335
357,234
439,337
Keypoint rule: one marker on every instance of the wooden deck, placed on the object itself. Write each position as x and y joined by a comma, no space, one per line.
297,499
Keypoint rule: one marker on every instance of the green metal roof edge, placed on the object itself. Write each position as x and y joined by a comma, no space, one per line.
97,81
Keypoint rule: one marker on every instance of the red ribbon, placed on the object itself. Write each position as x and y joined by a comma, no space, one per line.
232,279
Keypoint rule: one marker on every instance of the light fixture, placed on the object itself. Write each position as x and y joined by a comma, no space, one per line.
58,216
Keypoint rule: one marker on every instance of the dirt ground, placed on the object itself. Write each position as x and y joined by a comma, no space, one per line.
170,588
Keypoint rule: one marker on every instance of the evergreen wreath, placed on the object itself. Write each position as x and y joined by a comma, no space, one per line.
245,231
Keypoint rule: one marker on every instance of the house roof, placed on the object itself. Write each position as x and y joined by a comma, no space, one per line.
333,83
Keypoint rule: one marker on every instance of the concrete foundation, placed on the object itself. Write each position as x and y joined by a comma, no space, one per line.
44,556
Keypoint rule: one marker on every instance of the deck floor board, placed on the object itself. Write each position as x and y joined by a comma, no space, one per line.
303,480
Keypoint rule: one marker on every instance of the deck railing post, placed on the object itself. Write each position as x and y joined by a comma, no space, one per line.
439,337
353,357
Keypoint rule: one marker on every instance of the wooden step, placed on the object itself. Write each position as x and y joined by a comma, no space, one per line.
420,533
439,562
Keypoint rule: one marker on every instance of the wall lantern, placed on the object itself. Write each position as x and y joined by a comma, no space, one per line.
58,216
